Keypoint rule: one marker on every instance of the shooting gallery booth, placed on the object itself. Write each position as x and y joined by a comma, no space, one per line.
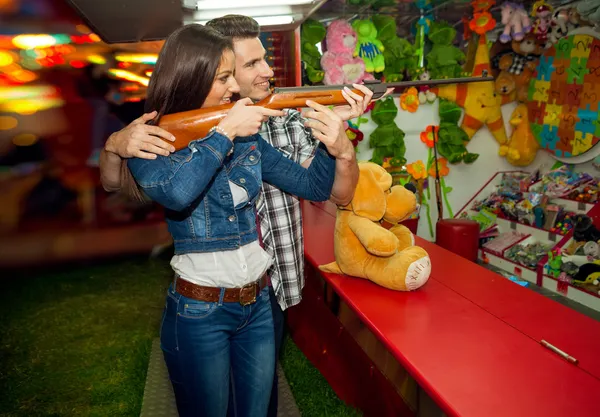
476,293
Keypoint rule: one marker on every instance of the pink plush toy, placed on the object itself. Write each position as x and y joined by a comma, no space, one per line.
515,19
338,63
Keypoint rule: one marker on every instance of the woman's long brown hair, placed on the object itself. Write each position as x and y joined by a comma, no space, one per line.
185,70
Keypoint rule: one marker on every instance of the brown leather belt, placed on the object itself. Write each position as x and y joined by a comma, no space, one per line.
245,295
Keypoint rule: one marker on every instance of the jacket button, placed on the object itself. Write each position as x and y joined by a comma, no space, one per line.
242,181
252,158
231,218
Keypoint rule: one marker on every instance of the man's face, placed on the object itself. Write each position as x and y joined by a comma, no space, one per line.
251,69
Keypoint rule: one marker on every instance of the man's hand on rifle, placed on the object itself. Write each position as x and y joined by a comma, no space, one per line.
328,127
357,105
139,140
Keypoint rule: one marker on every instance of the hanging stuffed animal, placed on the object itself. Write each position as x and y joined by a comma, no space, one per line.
339,64
542,12
589,10
399,54
387,139
444,60
425,92
522,147
369,48
313,32
515,20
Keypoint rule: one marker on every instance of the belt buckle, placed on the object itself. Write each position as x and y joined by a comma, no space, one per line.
244,293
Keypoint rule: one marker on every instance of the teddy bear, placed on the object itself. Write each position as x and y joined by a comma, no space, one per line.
425,92
444,60
387,139
516,86
313,32
339,64
399,54
363,248
368,47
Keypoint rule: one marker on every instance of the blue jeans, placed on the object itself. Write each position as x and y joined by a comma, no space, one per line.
216,349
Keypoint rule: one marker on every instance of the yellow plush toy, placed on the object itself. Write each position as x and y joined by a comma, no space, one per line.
364,248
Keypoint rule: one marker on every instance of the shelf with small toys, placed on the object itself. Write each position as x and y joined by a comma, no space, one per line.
524,217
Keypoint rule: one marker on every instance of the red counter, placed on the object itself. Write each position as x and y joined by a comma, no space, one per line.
469,337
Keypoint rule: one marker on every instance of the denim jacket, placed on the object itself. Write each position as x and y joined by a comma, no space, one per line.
193,185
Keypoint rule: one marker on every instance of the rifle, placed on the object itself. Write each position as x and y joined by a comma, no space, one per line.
195,124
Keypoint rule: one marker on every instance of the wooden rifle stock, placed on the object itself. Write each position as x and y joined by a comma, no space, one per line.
195,124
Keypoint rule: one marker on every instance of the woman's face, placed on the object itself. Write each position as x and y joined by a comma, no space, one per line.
224,84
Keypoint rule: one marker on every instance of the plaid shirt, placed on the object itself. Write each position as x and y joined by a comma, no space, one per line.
279,212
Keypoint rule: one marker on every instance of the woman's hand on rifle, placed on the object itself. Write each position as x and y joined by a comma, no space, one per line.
357,104
244,119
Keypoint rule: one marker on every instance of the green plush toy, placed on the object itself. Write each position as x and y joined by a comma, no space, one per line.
313,32
451,138
387,139
399,54
444,60
368,47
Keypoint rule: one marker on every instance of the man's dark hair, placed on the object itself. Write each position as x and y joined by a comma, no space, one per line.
185,69
236,26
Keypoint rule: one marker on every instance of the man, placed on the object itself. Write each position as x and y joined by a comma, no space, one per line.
294,135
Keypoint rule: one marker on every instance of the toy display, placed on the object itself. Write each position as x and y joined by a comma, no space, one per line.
387,139
313,32
516,21
368,47
340,66
365,249
563,97
522,147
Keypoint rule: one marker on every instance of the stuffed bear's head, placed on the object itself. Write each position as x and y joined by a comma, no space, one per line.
365,29
375,198
528,46
313,31
340,37
384,111
441,33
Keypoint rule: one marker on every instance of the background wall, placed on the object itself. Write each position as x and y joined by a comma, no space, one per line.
465,180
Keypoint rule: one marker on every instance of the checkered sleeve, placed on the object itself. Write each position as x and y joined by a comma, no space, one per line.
307,144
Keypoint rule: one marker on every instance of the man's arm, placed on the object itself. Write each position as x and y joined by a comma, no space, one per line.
136,140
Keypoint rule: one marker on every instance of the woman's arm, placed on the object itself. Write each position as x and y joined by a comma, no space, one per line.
314,183
177,180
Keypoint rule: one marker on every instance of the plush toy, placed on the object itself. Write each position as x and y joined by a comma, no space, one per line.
451,138
515,86
589,10
339,64
387,139
425,92
364,248
369,48
515,20
399,54
522,146
444,60
313,32
542,12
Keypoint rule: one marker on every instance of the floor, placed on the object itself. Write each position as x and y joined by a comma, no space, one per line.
159,400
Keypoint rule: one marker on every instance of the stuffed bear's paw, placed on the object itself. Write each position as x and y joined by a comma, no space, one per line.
405,271
404,235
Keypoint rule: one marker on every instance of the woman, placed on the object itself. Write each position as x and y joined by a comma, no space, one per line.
217,330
